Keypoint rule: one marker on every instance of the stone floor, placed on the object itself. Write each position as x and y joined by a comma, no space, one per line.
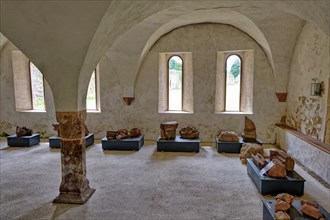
143,184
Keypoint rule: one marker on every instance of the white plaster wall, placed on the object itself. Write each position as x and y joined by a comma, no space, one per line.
311,59
316,160
203,40
9,117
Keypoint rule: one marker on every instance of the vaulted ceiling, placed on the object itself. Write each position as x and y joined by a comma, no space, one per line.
66,39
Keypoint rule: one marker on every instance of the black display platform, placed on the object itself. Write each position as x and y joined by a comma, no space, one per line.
178,145
293,183
293,212
123,144
231,147
54,141
23,141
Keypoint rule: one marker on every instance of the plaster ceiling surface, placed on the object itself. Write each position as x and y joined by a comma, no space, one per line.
3,40
68,38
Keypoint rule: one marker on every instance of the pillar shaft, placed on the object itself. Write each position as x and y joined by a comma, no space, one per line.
74,187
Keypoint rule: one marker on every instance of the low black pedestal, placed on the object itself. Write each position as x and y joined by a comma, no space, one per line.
123,144
178,145
293,212
293,183
54,141
23,141
231,147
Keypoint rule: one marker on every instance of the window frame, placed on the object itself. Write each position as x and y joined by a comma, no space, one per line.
240,85
97,92
246,87
168,81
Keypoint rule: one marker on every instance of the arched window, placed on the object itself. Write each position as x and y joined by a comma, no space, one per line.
175,82
233,83
91,99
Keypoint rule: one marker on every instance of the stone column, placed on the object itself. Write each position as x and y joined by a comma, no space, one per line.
74,187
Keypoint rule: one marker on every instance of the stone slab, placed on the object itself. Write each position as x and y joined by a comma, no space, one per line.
178,145
123,144
293,183
293,212
23,141
54,141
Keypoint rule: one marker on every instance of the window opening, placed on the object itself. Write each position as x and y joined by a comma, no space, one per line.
233,83
175,82
91,100
37,88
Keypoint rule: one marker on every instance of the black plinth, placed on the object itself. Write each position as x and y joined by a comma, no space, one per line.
23,141
293,212
54,141
293,183
123,144
178,145
229,147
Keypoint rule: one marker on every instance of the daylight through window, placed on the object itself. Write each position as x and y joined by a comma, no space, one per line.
175,71
37,88
233,83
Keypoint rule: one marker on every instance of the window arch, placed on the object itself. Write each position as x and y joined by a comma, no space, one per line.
175,83
37,87
233,83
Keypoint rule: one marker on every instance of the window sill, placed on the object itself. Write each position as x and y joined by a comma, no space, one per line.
32,111
175,112
93,111
233,113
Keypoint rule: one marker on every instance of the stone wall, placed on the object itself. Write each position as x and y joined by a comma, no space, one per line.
203,40
307,113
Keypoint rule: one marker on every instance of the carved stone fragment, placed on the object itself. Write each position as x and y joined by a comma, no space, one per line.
280,215
134,132
250,133
56,128
249,149
168,130
285,158
228,136
259,160
23,131
285,197
111,135
281,205
311,211
122,134
277,171
189,132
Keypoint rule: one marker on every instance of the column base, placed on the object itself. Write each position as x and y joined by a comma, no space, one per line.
70,198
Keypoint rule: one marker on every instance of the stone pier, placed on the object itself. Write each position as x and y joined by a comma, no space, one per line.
74,187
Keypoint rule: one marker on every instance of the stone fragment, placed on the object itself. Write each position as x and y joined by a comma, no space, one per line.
23,131
259,160
285,197
280,215
122,134
111,135
134,132
168,130
56,128
277,171
285,158
189,132
281,205
304,201
250,133
311,211
228,136
249,149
